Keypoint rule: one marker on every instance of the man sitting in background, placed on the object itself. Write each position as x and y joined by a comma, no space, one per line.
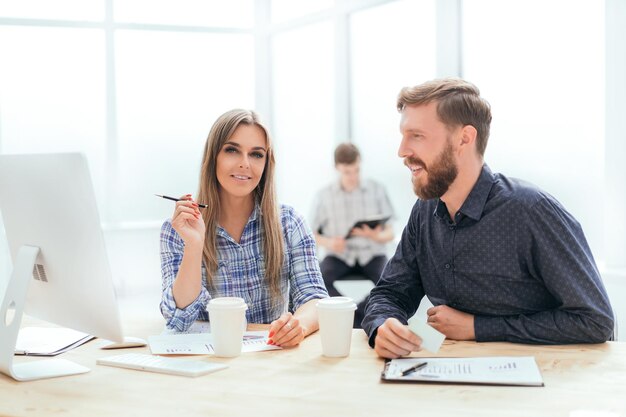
338,207
500,259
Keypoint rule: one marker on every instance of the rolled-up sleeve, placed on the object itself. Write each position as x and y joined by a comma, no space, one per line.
305,278
172,247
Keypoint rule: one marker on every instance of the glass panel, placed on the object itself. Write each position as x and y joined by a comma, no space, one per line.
52,93
392,46
170,89
217,13
303,113
546,88
57,9
289,9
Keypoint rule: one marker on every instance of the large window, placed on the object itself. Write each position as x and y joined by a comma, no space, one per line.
285,10
544,77
350,66
136,91
303,112
52,93
170,88
392,46
85,10
203,13
137,84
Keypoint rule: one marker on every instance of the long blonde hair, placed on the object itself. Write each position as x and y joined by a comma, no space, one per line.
265,193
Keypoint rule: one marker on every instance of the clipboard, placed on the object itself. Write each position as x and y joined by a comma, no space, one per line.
372,222
491,370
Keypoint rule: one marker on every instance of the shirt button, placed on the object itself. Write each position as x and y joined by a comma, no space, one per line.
448,266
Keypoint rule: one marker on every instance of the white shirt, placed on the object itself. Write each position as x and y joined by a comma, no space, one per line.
336,211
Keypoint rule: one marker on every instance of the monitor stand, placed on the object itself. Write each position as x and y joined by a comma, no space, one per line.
11,318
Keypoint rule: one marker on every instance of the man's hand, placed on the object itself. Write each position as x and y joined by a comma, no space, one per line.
337,244
453,323
367,232
394,339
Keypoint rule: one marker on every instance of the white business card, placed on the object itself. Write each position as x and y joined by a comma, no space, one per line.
431,338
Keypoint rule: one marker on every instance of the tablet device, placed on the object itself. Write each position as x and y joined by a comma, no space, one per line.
372,222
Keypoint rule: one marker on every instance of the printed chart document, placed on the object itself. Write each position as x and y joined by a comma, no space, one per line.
197,340
492,370
48,341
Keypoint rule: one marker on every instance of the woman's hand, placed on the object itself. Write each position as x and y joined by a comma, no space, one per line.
286,331
188,222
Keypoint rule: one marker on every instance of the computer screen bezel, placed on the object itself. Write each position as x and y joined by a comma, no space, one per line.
48,201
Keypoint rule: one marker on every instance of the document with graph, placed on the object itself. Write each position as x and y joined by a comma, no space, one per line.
169,343
492,370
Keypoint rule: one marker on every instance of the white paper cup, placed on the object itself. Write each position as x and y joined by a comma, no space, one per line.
228,321
336,316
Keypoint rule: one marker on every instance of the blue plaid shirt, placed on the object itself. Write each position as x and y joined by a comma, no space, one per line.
241,271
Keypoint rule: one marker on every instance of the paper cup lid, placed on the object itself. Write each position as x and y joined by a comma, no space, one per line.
227,303
337,303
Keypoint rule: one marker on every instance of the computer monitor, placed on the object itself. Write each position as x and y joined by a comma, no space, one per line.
60,268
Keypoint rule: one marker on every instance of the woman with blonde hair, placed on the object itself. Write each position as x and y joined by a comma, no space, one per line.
242,244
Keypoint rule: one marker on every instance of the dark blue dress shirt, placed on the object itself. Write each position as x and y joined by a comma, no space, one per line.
513,257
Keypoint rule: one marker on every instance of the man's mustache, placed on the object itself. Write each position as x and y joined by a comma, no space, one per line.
415,161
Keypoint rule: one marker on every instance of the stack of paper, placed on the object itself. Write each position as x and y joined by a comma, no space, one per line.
48,341
197,341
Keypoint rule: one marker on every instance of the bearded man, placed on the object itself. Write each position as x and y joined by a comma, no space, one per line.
500,259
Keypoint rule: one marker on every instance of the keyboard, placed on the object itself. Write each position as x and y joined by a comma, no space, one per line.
151,363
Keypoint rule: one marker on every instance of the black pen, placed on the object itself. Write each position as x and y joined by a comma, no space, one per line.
167,197
414,368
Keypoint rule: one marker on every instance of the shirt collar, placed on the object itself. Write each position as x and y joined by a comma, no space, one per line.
256,212
441,211
338,188
474,204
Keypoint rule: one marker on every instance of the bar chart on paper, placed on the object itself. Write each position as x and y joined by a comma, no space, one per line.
202,343
496,370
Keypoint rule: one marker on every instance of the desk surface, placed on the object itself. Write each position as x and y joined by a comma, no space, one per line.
301,382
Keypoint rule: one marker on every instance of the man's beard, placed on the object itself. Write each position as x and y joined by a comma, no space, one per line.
440,174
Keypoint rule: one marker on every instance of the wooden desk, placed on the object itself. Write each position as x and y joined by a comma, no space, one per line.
301,382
